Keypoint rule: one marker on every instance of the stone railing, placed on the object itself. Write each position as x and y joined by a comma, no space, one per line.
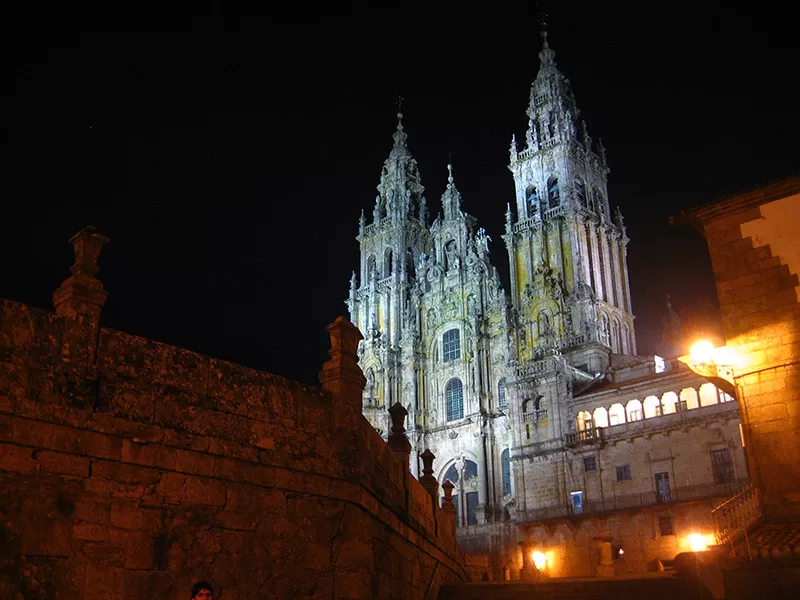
632,501
585,436
534,416
735,515
532,368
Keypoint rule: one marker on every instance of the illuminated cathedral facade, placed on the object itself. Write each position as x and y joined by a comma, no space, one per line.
510,389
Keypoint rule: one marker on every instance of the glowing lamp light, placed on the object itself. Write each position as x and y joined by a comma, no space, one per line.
699,542
540,560
702,352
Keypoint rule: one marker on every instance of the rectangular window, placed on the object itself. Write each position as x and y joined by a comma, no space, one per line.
577,502
722,465
472,508
501,393
505,461
662,487
665,526
589,463
624,473
451,345
635,415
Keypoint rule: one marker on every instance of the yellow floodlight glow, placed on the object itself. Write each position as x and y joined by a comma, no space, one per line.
540,560
699,542
702,352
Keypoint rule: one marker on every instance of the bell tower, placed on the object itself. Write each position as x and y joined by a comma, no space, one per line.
567,253
379,300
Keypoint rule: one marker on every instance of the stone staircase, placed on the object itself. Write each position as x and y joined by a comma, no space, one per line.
655,587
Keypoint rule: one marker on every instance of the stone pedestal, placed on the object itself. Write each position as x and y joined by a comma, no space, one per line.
605,567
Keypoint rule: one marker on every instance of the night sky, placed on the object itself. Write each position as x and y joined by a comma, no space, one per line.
228,158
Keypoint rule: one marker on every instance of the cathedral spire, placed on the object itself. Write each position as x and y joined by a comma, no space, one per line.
400,189
552,113
547,56
451,199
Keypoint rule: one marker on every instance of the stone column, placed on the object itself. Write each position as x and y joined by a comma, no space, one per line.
80,299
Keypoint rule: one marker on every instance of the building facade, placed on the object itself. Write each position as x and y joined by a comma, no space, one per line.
533,400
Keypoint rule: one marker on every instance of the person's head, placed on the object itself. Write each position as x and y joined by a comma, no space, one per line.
202,590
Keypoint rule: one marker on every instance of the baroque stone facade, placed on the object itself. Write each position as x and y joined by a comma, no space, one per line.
532,399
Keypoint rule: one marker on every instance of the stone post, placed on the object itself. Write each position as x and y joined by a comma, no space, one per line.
81,297
447,501
605,568
341,375
398,441
427,480
529,571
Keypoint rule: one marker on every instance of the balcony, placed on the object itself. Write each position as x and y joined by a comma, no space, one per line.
691,493
593,435
534,416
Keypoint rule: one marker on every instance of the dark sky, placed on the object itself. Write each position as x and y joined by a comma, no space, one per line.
228,158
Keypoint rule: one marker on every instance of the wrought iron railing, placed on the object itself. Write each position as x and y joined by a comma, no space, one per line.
631,501
735,515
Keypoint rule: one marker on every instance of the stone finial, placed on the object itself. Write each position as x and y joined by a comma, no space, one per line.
82,294
340,374
398,441
81,297
447,501
427,480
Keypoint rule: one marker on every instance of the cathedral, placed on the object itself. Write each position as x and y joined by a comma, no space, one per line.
533,399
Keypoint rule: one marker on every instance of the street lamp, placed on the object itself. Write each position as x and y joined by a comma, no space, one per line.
715,364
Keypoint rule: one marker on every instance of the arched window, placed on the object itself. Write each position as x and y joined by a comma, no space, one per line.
652,407
387,263
584,420
553,193
634,411
669,402
451,345
616,414
411,268
689,399
616,342
505,462
451,475
627,348
533,200
501,393
580,192
708,394
605,328
454,399
600,417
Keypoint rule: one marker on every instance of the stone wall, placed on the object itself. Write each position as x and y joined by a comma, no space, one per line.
753,240
130,468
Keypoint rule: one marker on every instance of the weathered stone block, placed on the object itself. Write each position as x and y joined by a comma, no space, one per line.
58,462
17,458
124,473
203,490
